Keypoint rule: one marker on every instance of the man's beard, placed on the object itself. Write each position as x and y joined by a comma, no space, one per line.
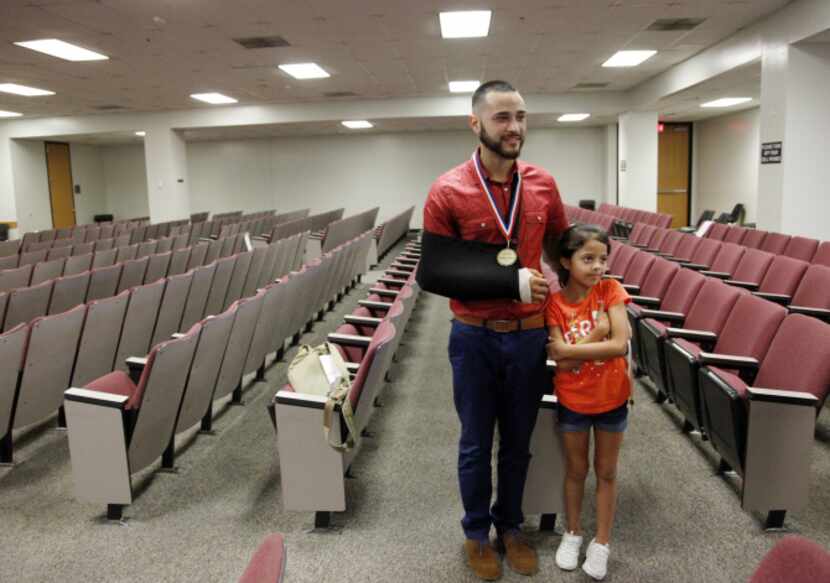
495,145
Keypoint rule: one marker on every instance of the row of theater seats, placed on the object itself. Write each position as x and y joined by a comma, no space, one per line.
313,476
393,230
629,217
55,286
749,373
581,215
123,421
254,223
44,355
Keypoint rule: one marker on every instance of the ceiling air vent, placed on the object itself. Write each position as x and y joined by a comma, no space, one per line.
590,85
675,24
109,107
262,42
340,94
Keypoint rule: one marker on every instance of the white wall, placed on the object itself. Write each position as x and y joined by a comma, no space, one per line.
725,163
88,173
638,151
125,179
393,171
31,185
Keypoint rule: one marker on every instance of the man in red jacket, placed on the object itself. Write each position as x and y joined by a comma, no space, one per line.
497,345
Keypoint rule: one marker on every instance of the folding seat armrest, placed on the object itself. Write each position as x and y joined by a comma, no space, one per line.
750,285
819,313
402,266
638,245
98,398
651,249
664,255
390,293
207,239
393,271
782,299
718,274
408,260
729,361
631,288
349,339
261,238
674,317
785,397
646,301
352,366
362,320
135,366
693,335
371,304
392,281
613,276
176,335
687,229
302,400
694,266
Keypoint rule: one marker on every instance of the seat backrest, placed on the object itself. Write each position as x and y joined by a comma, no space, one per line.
268,266
53,344
92,234
822,256
99,338
370,376
753,266
69,291
242,333
812,290
728,258
78,264
197,255
717,231
103,282
735,234
682,291
219,287
712,305
14,278
775,243
658,237
686,248
238,277
8,248
194,309
802,248
126,253
9,262
214,249
27,303
32,257
754,239
164,245
139,322
706,251
621,256
132,273
157,266
784,275
104,258
178,262
272,303
146,248
254,270
793,559
171,311
750,327
659,276
204,372
798,358
639,267
63,251
46,270
13,344
82,248
158,396
670,243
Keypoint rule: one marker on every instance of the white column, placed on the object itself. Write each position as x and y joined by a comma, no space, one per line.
8,208
611,163
638,160
168,186
772,129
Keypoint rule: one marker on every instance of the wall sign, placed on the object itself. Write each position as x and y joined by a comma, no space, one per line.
771,153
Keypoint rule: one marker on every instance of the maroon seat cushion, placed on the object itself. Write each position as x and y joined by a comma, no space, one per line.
793,559
115,383
731,379
268,563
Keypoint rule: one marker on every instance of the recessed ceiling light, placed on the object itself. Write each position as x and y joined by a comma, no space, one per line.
213,98
305,71
141,134
23,90
358,124
628,58
726,102
62,50
463,86
573,116
465,24
9,113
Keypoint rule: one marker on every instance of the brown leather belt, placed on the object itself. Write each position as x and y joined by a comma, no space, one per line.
531,323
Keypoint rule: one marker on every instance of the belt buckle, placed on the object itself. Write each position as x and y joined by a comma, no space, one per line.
502,325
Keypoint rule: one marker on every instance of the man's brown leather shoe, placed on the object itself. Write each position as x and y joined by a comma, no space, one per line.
521,557
483,559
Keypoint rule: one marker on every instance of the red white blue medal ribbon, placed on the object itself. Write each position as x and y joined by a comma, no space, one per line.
508,225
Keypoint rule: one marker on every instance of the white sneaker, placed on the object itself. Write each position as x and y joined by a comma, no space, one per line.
567,555
596,560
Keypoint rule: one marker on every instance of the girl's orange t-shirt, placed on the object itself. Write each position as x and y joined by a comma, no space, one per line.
597,386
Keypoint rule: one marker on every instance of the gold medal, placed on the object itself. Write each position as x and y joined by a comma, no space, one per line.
507,257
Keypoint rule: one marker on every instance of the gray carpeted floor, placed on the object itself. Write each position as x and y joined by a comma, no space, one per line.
676,521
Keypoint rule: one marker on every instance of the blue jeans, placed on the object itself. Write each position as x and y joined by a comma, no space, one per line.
498,378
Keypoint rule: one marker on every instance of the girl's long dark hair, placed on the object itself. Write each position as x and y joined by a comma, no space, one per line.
571,240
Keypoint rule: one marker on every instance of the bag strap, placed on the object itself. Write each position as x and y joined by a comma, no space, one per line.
341,396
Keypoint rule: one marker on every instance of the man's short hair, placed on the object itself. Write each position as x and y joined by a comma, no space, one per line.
489,86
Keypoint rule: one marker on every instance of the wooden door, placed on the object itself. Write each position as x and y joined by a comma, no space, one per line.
59,169
673,172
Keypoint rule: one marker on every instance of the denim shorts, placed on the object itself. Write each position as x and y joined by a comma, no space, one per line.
613,421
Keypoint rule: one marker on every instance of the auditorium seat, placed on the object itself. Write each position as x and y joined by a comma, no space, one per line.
197,256
27,303
46,371
126,253
46,270
104,258
9,262
59,253
99,340
763,424
793,559
267,565
146,248
69,291
219,289
735,234
637,271
194,307
103,282
13,344
725,262
254,270
811,297
78,264
228,245
139,321
703,255
717,231
685,249
14,278
751,269
164,245
179,261
242,332
747,332
32,257
132,273
82,248
802,248
781,279
92,234
273,303
9,248
708,313
176,289
238,276
822,256
214,249
157,266
119,425
266,274
775,243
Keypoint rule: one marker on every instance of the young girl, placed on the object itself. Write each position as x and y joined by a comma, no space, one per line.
589,335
